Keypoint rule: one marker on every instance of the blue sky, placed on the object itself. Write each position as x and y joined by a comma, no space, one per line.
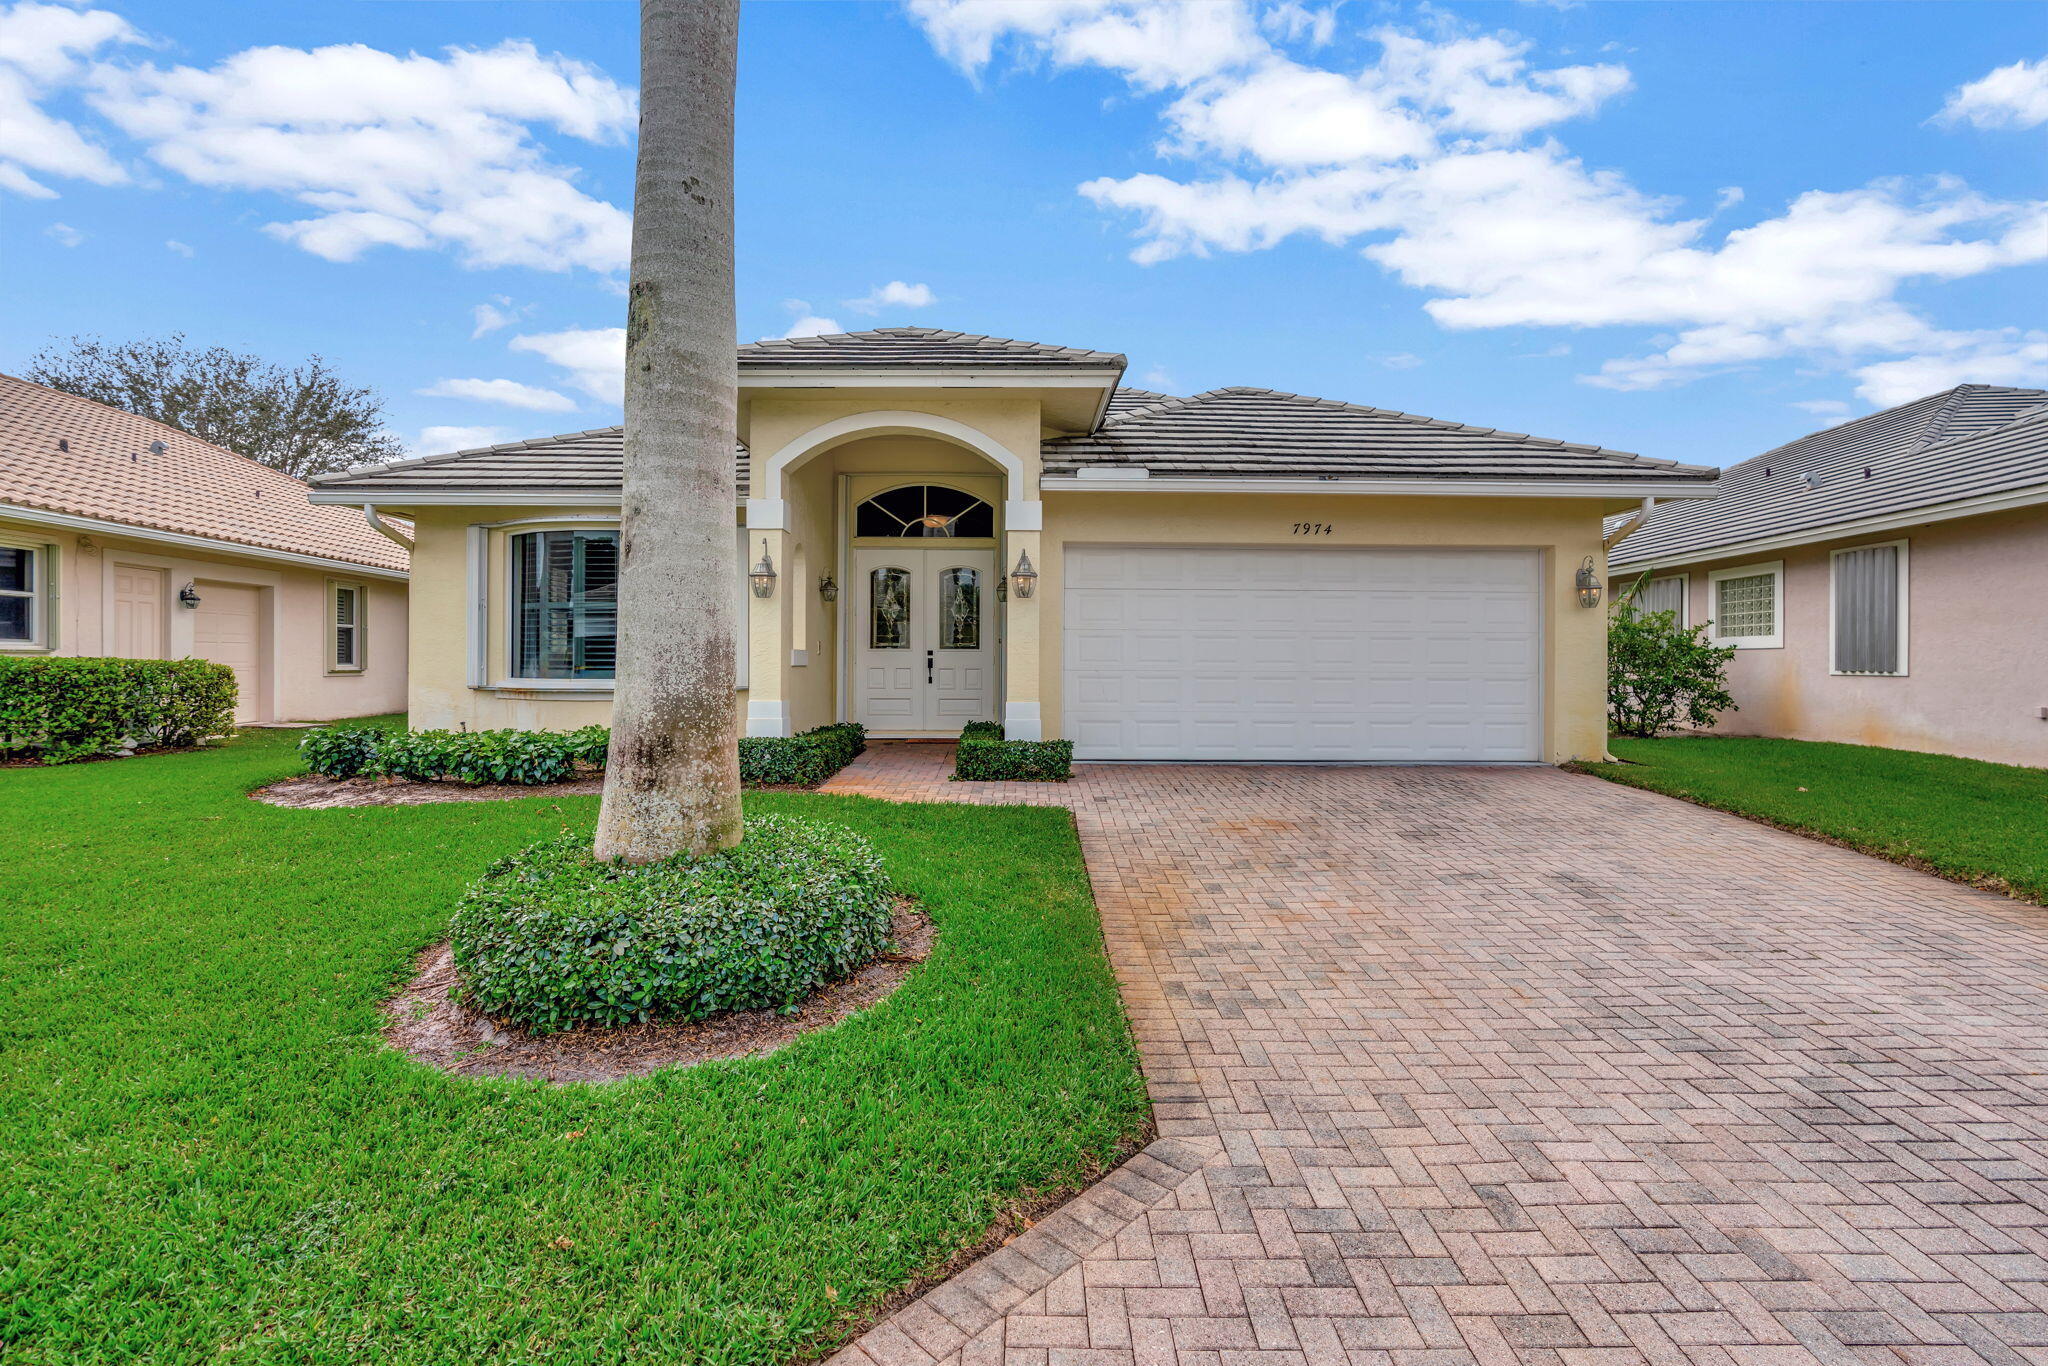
1689,230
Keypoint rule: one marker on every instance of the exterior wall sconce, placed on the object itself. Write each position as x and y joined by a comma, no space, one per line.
188,596
1003,595
1589,584
762,575
1024,576
828,588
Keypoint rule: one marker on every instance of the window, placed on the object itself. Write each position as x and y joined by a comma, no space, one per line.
1667,594
21,592
345,655
1869,609
922,510
1748,606
565,604
889,609
959,610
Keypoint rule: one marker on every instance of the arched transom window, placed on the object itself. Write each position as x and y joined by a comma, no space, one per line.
920,510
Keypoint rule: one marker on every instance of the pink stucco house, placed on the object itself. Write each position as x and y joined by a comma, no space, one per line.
1884,582
120,536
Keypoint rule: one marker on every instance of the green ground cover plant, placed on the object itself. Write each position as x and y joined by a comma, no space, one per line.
1962,818
212,1155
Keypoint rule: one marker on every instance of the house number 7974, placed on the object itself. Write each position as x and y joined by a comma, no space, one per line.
1313,528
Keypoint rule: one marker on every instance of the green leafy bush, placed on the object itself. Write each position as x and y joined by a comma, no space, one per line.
1660,674
341,751
554,938
984,756
67,709
805,759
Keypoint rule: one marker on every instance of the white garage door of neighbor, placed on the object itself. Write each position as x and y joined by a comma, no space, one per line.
227,628
1328,654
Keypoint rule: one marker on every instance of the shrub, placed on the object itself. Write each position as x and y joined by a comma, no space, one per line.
75,708
983,755
553,938
340,751
806,759
1660,673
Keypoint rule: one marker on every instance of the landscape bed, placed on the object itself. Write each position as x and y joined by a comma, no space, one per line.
196,1077
1963,819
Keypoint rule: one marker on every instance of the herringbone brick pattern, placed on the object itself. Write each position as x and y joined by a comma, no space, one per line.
1513,1065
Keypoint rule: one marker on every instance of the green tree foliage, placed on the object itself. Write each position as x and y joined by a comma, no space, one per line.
303,420
1661,675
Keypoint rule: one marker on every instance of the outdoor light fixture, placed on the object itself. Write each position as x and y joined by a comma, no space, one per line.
828,588
1589,584
762,575
1003,591
189,594
1024,576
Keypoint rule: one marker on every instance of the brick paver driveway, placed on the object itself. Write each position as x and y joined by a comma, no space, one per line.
1515,1065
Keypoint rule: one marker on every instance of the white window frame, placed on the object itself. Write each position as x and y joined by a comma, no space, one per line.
1776,639
1905,626
335,588
41,596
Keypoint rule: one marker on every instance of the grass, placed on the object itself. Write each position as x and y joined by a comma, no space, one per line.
211,1154
1964,819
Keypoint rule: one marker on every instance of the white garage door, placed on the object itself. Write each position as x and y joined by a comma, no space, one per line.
1308,654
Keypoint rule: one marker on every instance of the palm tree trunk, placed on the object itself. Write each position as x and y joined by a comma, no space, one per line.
672,781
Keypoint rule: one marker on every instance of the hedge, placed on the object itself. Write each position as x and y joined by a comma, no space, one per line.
68,709
538,757
984,756
553,938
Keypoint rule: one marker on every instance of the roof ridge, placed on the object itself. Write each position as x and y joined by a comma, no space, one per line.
145,417
412,462
2025,416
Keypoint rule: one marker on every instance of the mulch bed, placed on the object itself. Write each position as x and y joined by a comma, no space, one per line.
426,1022
316,791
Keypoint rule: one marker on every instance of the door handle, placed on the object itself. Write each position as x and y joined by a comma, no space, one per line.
928,666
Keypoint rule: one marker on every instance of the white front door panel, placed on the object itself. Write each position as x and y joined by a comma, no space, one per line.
923,633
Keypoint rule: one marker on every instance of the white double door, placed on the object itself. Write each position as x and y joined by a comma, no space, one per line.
924,637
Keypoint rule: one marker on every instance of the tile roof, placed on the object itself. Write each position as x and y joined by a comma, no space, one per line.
1260,432
142,473
1972,441
919,348
591,461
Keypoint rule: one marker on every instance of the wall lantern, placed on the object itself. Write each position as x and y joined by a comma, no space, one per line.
189,594
1024,576
1589,584
762,575
828,588
1003,595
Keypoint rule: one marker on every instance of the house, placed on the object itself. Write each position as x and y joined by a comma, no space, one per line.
1884,582
969,528
120,536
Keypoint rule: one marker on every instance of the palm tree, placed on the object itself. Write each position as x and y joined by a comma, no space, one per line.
672,782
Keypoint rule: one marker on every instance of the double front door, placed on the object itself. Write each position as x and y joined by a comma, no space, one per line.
923,632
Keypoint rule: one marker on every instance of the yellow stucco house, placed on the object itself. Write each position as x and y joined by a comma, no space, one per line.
969,528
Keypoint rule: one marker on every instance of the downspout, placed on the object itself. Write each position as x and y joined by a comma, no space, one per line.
1630,527
385,529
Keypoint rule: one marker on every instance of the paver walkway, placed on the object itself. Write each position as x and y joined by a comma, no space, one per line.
1513,1065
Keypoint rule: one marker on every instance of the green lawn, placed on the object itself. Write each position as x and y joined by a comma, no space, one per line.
212,1156
1961,818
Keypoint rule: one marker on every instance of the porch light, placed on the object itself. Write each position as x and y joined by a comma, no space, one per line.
762,575
828,588
1024,576
189,594
1589,584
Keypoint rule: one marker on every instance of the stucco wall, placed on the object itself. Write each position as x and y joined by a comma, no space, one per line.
1566,531
1977,649
296,684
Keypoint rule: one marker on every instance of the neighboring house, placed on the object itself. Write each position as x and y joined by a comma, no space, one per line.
1884,582
965,528
122,536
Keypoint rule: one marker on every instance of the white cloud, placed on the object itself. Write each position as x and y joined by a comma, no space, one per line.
499,312
184,250
593,358
2013,96
43,49
895,294
805,323
509,392
410,151
1158,379
1949,359
1401,360
1151,43
1823,407
63,234
441,440
1433,160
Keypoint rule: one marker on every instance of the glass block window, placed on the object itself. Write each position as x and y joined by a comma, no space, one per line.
19,585
1746,607
565,604
918,511
889,609
959,610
